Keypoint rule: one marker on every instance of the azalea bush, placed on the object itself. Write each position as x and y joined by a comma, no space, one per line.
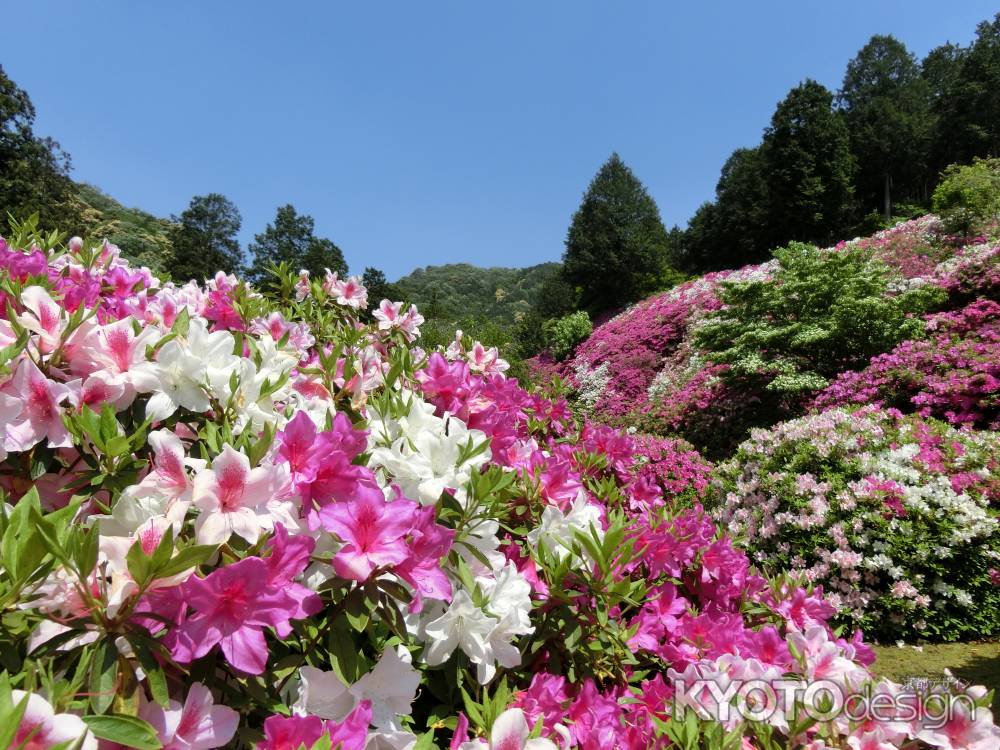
236,520
954,374
896,517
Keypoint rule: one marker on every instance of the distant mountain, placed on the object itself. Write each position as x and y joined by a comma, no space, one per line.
143,238
462,290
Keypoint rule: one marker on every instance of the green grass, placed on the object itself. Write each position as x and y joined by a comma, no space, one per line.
973,663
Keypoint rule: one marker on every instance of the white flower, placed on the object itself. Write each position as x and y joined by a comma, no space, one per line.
391,687
464,626
557,530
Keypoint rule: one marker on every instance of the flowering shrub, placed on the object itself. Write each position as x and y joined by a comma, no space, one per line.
896,517
953,375
563,334
968,195
246,521
822,312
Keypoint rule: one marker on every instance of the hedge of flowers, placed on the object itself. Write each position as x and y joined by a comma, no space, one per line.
953,375
232,520
896,516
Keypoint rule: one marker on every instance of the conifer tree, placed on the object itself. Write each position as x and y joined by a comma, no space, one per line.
616,247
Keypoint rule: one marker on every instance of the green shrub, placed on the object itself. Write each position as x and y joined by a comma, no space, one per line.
968,196
563,334
821,313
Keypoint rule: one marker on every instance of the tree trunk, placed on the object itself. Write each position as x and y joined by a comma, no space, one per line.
888,199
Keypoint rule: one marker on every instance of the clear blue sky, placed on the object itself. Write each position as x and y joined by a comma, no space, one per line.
430,132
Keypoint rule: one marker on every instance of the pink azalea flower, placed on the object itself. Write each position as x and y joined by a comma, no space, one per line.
42,316
292,732
429,543
234,604
963,730
372,531
115,349
41,413
289,557
387,315
168,476
41,727
198,724
235,499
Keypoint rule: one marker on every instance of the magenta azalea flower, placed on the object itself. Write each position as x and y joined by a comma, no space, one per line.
292,732
372,531
234,604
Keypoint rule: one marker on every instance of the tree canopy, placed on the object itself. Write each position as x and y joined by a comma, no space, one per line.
290,239
616,247
204,239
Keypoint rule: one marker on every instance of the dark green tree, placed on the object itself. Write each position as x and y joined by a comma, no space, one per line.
34,171
616,247
290,240
942,70
204,239
973,115
808,168
886,105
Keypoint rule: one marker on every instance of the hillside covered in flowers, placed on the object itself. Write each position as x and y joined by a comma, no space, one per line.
850,397
233,519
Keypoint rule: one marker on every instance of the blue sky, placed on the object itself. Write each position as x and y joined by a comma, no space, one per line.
430,132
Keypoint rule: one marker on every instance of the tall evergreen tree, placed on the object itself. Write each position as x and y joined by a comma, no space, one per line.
290,239
808,168
204,239
942,71
616,246
975,107
885,102
34,171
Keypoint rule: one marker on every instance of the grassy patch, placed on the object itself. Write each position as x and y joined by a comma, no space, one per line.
974,663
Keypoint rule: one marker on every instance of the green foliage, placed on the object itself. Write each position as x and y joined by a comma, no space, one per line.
887,110
143,238
563,334
968,197
458,290
290,240
733,230
822,313
617,246
808,168
204,239
34,171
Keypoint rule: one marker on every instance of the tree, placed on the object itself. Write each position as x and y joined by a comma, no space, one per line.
291,240
974,112
204,239
616,247
34,171
942,71
885,102
808,168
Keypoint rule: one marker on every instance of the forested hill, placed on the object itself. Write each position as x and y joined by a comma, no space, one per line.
461,289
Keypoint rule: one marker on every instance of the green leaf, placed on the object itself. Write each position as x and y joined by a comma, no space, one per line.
189,557
129,731
103,675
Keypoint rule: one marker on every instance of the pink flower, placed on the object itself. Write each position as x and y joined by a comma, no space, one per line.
962,730
234,604
289,557
372,531
292,732
45,727
41,413
197,725
235,499
43,317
